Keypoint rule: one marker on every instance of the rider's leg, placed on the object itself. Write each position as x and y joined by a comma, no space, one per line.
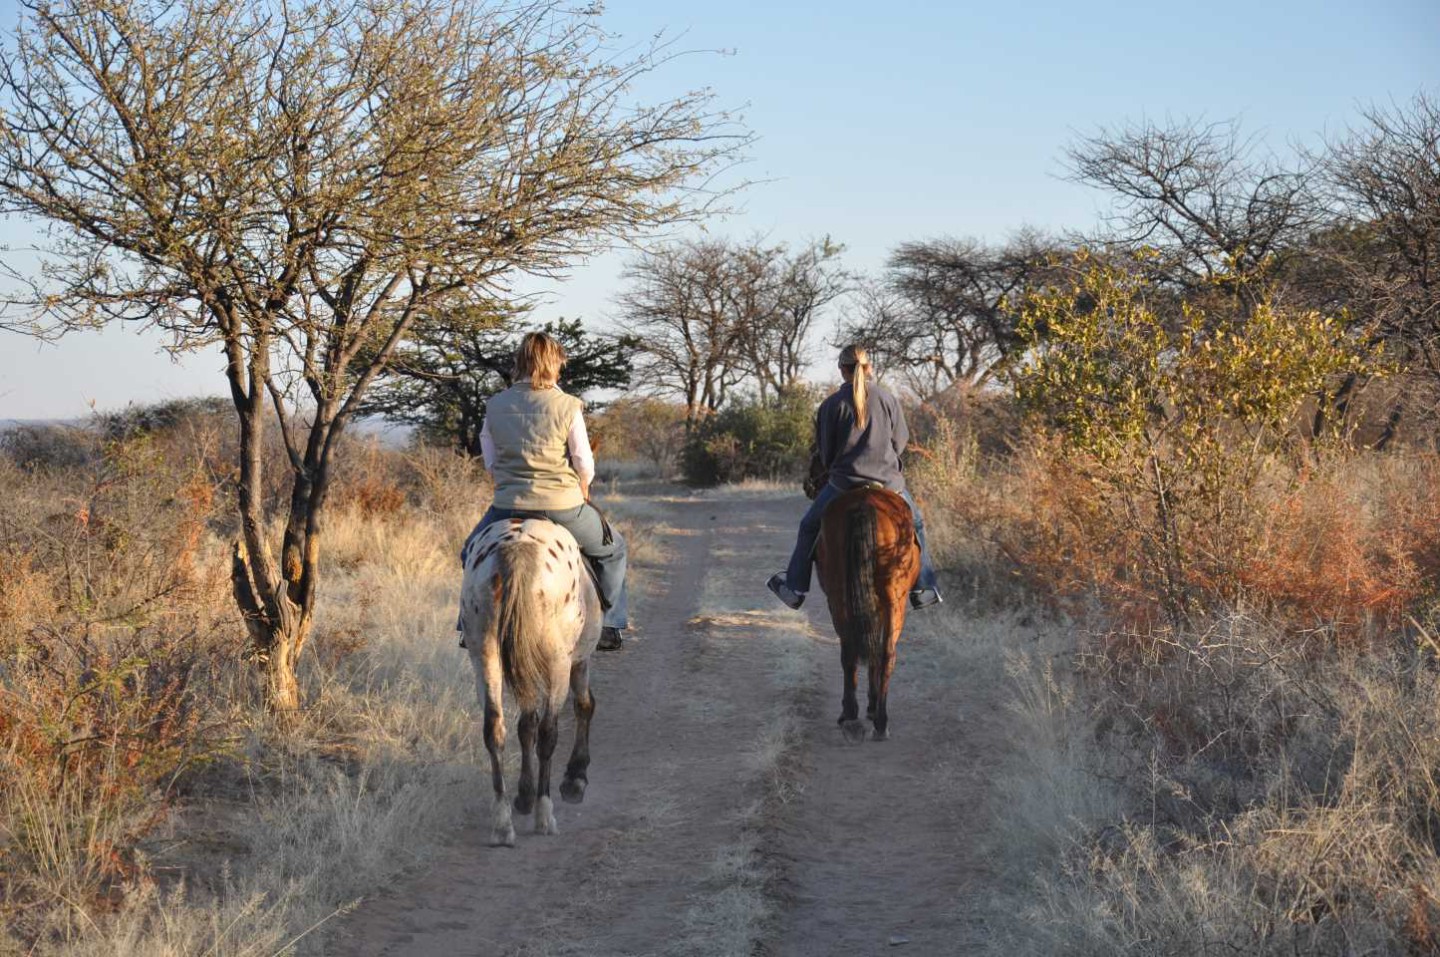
927,581
802,559
492,514
608,558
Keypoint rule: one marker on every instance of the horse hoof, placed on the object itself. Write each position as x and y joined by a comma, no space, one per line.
503,837
854,731
878,735
572,790
545,818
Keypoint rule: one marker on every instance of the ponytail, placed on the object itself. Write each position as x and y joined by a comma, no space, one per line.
857,359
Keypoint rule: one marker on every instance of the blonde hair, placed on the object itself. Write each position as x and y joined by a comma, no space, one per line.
856,358
539,359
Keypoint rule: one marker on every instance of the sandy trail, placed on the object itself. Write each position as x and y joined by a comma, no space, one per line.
725,813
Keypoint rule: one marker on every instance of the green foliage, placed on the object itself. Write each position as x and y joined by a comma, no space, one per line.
1111,371
753,439
441,378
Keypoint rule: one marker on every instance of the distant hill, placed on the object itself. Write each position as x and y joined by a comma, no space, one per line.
17,423
393,434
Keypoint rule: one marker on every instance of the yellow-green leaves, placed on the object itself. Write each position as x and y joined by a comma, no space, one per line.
1107,369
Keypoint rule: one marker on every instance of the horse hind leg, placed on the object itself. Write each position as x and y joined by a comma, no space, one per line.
882,715
849,707
489,681
872,691
525,796
572,788
549,734
881,676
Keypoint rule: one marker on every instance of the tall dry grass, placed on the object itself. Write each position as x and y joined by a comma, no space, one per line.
1261,779
148,805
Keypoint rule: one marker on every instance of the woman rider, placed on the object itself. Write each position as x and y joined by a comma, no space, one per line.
538,453
860,432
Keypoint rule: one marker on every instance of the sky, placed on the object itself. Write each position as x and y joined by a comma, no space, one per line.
881,123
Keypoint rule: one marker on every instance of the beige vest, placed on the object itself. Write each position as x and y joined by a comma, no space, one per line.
530,428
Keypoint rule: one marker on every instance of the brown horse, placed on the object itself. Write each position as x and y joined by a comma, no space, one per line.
868,561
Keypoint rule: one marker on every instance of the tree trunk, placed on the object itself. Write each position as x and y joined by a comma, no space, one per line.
1392,426
1338,403
282,689
275,641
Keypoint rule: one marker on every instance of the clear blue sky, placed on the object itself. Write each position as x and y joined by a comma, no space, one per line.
884,122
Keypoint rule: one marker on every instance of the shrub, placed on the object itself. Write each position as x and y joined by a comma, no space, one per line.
642,429
752,439
167,416
1172,426
113,619
49,447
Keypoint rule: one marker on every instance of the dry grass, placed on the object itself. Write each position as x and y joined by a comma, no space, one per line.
148,806
1240,796
1261,779
1248,784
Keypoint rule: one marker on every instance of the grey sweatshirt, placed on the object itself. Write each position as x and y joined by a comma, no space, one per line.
854,457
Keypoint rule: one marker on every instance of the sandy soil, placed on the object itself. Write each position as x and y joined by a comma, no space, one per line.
726,814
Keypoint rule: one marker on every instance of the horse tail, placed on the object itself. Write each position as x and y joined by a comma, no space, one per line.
522,623
862,597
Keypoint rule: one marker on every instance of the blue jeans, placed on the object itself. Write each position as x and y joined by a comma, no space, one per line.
797,574
589,529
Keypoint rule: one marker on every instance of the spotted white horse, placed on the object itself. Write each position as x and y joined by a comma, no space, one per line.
531,618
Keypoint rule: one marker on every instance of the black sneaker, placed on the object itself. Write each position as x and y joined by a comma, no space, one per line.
611,639
925,597
777,584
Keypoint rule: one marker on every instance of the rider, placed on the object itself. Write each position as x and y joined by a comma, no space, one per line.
538,453
860,432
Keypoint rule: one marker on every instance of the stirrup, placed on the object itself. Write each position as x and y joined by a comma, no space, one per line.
925,597
777,584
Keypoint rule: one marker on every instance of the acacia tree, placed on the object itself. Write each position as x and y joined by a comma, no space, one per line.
1382,254
441,377
297,186
708,315
776,297
1205,201
946,310
677,305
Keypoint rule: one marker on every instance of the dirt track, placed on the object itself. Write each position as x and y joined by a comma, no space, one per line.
726,814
